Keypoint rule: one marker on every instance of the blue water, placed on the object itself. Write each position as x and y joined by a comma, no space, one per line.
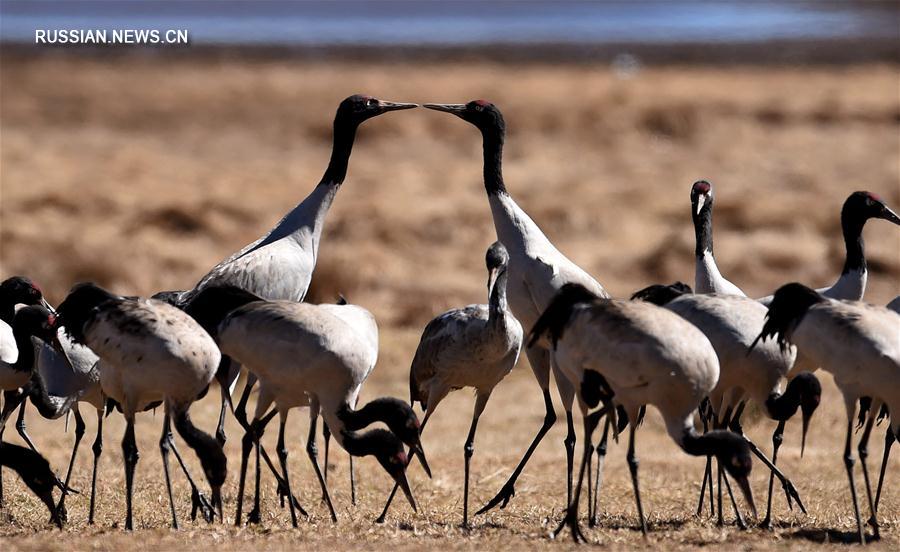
385,22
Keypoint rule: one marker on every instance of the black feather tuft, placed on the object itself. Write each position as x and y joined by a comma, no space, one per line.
660,294
787,309
554,318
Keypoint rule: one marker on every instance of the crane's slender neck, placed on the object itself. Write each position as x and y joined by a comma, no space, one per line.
493,158
25,361
700,445
358,444
344,135
853,240
208,450
497,302
703,230
7,311
783,407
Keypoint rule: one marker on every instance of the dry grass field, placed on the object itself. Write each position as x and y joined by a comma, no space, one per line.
141,172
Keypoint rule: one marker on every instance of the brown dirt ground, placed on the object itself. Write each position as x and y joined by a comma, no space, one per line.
142,172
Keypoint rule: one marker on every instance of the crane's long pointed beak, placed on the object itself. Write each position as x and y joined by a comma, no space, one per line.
891,216
492,279
396,106
744,484
47,306
456,109
404,484
420,454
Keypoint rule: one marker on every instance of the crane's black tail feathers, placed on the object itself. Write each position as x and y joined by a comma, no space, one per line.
788,307
212,304
660,294
554,318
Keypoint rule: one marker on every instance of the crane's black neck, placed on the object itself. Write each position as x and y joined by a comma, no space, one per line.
852,227
208,450
712,443
344,135
392,412
497,301
493,158
803,389
363,444
703,229
25,361
7,311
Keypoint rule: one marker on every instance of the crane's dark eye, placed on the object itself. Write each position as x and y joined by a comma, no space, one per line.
371,102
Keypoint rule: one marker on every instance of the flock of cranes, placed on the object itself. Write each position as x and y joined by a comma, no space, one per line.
698,354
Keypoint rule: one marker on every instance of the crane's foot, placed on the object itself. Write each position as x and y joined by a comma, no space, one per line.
253,516
502,499
200,503
283,494
61,513
571,521
766,523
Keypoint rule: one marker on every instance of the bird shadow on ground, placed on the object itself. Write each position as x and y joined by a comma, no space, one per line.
824,535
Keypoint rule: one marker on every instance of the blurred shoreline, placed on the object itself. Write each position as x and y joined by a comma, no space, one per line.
833,51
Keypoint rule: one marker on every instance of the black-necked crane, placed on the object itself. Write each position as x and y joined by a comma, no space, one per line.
149,351
17,368
537,270
707,278
857,343
62,380
631,354
731,323
305,355
16,290
35,472
279,265
474,346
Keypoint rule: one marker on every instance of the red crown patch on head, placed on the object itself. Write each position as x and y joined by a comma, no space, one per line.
874,197
702,187
482,103
51,320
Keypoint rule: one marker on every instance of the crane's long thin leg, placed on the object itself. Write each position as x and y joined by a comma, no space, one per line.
509,488
313,453
848,464
601,459
569,443
198,499
469,450
571,518
79,433
97,449
777,438
131,457
11,400
20,424
164,447
282,457
739,519
352,471
790,491
246,447
387,504
326,438
707,472
863,451
888,442
633,468
254,515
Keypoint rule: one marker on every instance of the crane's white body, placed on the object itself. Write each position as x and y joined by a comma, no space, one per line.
65,382
302,352
859,344
279,265
647,354
731,323
151,351
10,378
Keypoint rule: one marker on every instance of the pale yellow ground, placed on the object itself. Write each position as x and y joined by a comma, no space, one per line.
141,173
